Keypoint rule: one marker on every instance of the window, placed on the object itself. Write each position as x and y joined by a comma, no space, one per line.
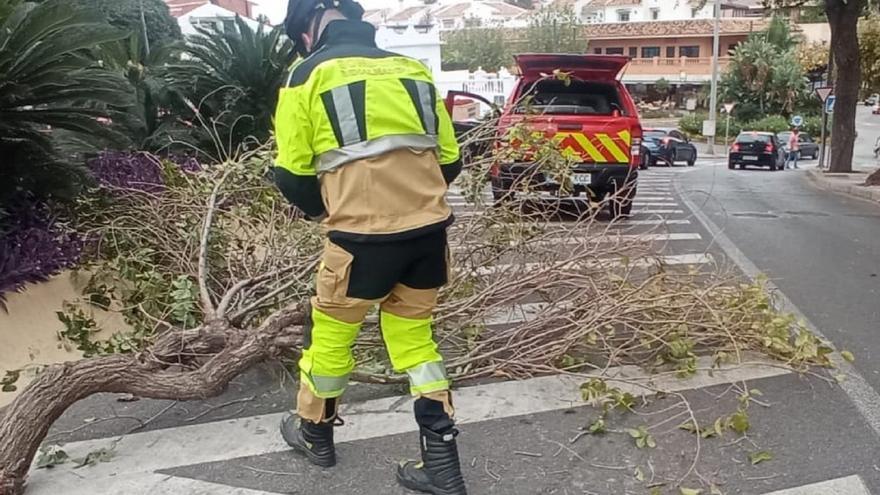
650,51
655,14
731,48
448,23
554,97
228,26
633,52
614,51
622,16
694,13
689,51
670,52
597,51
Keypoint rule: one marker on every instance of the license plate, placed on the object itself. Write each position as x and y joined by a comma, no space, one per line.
582,179
752,158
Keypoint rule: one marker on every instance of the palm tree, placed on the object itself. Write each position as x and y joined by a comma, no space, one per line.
230,81
55,98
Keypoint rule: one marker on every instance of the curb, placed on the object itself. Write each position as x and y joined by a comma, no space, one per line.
841,187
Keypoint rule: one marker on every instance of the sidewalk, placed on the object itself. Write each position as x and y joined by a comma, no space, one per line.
850,184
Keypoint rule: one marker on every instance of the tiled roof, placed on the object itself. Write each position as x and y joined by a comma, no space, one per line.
671,29
452,11
620,3
505,9
407,14
183,7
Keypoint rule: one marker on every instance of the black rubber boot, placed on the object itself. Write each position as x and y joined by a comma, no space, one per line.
314,440
439,472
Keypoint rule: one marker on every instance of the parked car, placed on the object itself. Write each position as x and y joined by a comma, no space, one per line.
590,115
761,149
667,146
872,100
808,147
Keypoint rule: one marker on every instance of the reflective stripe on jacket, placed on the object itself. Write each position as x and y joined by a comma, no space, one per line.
364,137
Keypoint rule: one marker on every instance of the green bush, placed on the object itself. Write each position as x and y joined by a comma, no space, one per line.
770,123
692,124
813,126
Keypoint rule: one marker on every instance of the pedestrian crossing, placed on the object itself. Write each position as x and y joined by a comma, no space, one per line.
145,463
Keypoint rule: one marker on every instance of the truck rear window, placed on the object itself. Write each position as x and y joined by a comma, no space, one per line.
554,97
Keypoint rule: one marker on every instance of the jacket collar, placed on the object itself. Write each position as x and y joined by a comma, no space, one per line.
341,32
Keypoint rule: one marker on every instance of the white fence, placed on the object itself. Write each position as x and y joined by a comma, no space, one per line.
495,89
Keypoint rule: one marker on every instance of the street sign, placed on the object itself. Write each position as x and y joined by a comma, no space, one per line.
824,93
797,121
709,128
829,104
728,107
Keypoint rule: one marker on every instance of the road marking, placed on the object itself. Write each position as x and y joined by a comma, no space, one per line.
659,212
862,395
671,260
570,240
258,435
851,485
654,203
625,223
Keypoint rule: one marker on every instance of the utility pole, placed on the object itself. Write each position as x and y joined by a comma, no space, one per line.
713,99
144,26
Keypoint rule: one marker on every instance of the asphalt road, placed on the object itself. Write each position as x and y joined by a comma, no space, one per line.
820,249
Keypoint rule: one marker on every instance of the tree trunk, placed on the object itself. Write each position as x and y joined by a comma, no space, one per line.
26,421
843,17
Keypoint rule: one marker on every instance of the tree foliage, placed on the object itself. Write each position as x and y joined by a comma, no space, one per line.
869,51
526,4
765,75
555,30
229,84
126,14
476,47
55,98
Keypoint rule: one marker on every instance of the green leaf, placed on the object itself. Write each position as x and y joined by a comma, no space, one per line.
639,474
634,433
760,456
739,421
847,356
51,456
598,427
689,426
690,491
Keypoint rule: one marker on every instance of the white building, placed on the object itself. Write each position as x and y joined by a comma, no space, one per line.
210,16
612,11
421,43
462,14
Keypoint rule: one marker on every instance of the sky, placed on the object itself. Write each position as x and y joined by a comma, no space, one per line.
277,9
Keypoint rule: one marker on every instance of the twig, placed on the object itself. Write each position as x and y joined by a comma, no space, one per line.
204,294
153,418
92,423
494,476
267,471
528,454
220,406
564,447
612,468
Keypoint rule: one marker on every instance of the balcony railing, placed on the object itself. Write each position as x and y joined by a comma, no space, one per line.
663,66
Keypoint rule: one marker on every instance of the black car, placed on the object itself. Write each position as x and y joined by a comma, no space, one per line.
761,149
808,147
666,146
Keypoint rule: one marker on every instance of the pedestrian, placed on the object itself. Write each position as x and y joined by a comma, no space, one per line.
366,147
794,148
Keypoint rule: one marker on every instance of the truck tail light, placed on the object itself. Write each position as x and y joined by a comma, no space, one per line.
495,170
735,148
768,148
635,152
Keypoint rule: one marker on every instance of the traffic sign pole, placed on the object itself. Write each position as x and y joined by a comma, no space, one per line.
823,94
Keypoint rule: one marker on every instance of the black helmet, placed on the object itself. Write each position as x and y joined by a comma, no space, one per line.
301,12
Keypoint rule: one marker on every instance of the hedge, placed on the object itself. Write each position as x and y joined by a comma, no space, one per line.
693,125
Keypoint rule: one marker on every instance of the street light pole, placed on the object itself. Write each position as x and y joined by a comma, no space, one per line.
713,99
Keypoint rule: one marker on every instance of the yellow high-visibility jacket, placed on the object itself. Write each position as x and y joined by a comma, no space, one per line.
364,138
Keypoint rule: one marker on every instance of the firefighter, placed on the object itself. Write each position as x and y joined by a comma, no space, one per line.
366,147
